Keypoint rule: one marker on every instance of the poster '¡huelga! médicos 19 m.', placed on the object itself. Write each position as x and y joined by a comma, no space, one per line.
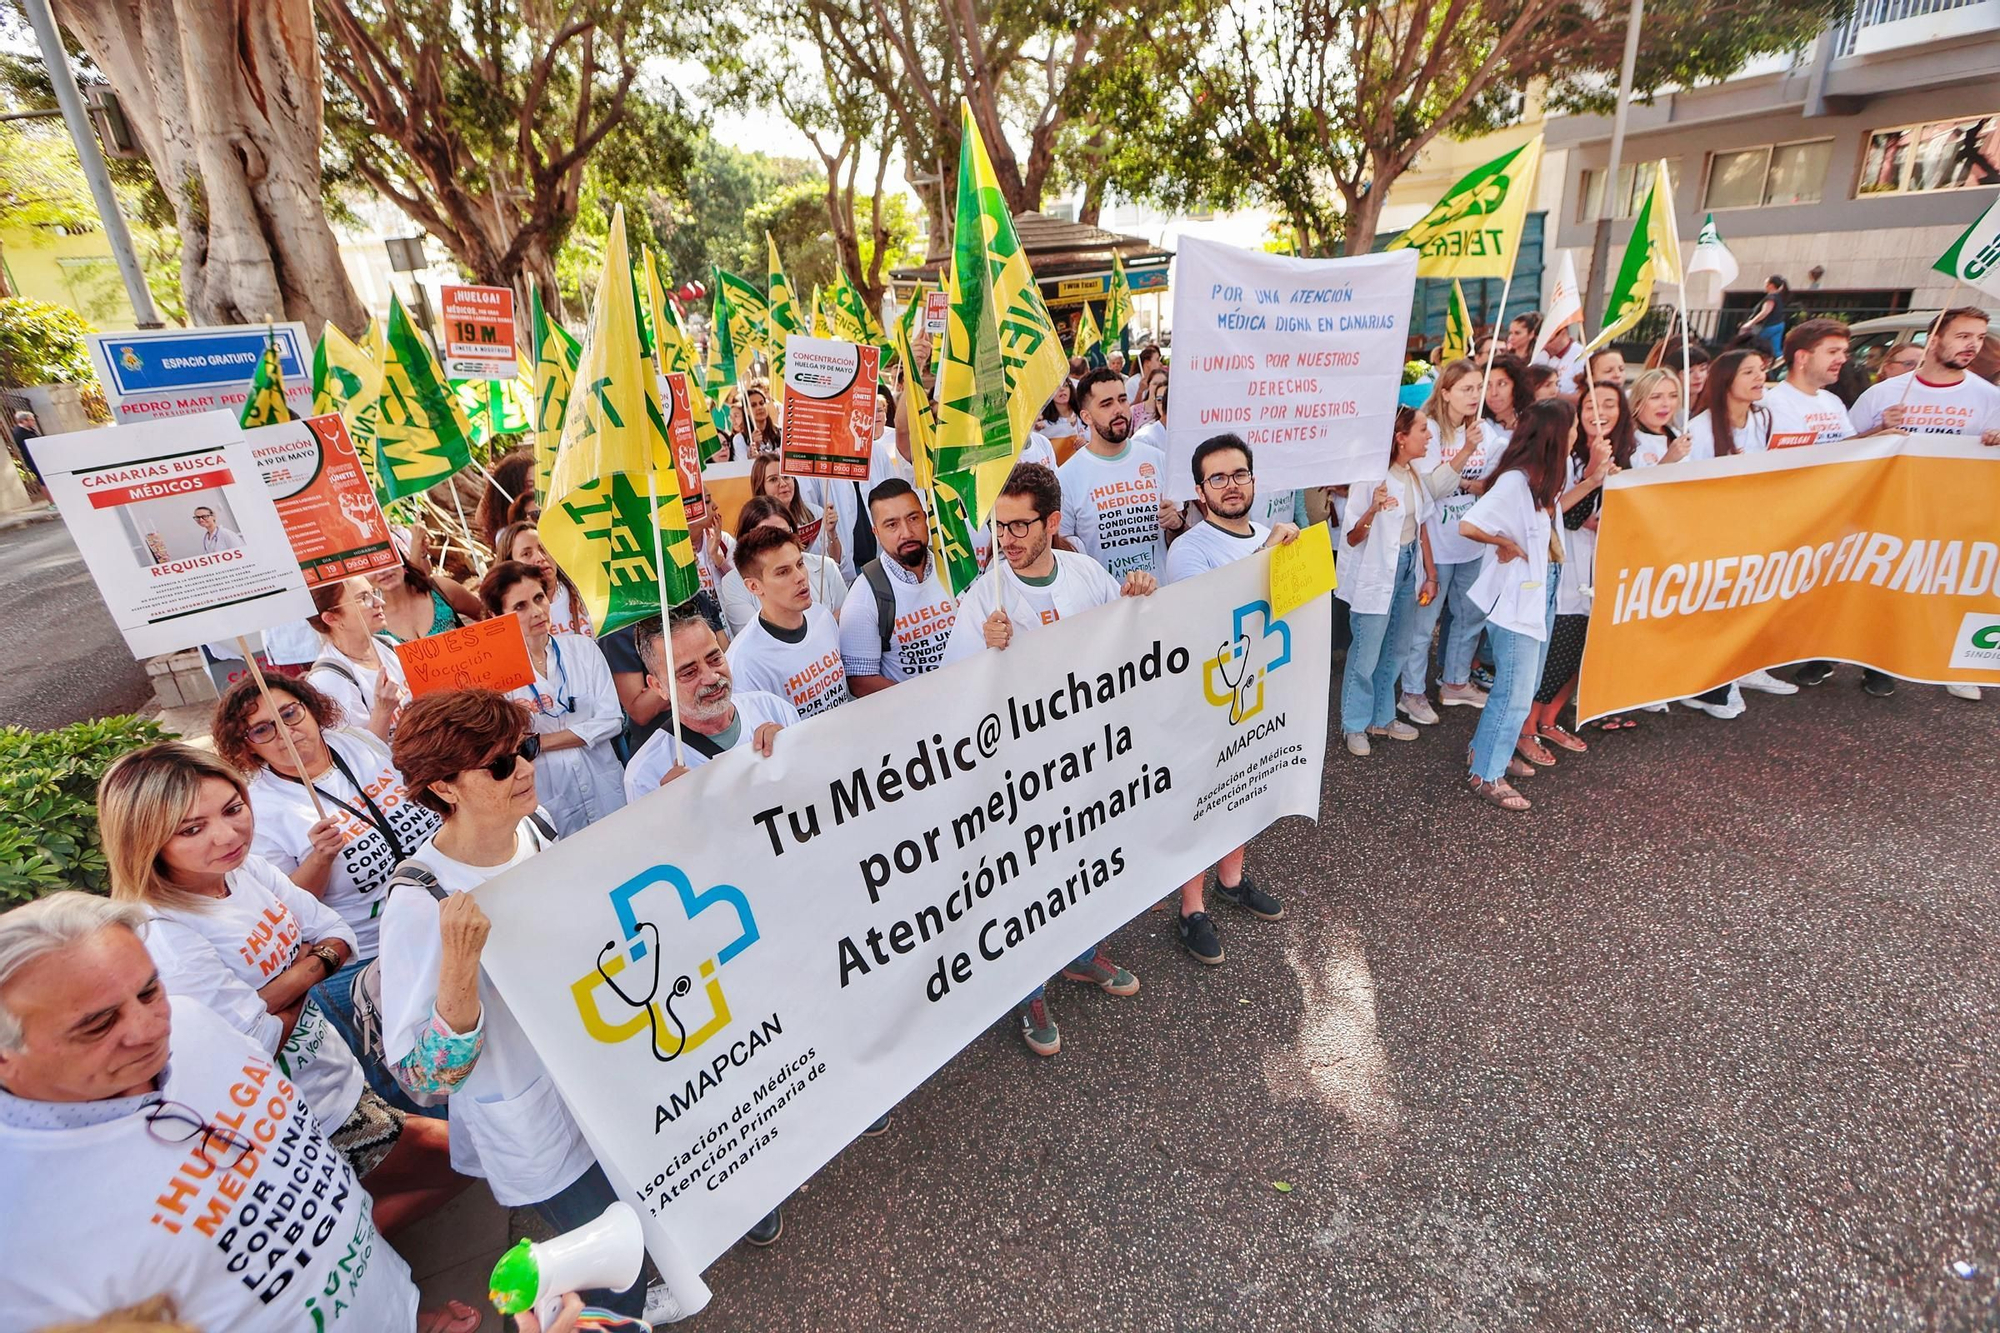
834,922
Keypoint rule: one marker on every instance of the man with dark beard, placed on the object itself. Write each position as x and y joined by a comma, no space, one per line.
898,614
1224,478
1114,495
714,718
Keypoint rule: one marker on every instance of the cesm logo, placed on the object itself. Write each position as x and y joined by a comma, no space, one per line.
1978,642
629,968
1234,678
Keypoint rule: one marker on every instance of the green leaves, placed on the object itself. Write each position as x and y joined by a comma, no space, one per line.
48,804
42,344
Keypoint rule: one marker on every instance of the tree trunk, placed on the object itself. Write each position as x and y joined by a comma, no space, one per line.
225,96
1363,215
1093,201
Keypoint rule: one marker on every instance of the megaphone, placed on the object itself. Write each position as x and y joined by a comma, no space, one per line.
604,1253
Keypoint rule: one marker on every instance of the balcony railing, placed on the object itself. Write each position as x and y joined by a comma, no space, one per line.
1871,13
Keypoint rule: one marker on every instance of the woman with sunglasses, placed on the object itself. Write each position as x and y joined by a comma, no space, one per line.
573,703
469,756
231,931
340,852
357,668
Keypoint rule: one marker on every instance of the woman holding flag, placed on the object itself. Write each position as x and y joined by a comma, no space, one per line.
1462,442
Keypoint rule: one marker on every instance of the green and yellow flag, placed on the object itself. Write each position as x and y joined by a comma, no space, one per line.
822,327
784,317
1457,327
674,351
1117,303
749,314
266,405
1653,254
422,436
722,371
1002,358
598,524
1475,230
341,371
494,408
1089,343
556,355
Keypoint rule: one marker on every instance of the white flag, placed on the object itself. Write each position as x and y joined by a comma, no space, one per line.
1710,256
1565,305
1975,256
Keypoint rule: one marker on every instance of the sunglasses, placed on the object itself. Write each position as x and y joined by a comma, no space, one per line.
266,732
503,767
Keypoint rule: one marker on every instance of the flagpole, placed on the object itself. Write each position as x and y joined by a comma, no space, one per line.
284,732
1687,373
666,617
1493,340
1957,286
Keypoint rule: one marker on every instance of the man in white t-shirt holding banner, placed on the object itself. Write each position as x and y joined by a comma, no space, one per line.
1941,397
792,648
1115,505
1802,411
1227,484
898,614
148,1148
1030,586
714,718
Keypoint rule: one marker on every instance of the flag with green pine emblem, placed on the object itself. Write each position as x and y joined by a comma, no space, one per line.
266,404
1475,230
1089,342
422,436
341,371
1653,254
1974,258
555,358
749,315
1117,303
598,524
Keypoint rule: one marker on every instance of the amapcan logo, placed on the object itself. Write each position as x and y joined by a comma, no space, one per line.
629,967
1257,646
1978,642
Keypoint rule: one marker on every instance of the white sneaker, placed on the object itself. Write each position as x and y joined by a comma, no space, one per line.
1723,711
1969,693
1462,696
1768,683
661,1307
1357,744
1418,708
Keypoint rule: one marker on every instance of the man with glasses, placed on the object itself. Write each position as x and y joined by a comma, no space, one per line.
1038,585
148,1148
1225,477
714,718
215,537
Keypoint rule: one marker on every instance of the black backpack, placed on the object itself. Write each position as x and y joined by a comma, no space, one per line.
885,600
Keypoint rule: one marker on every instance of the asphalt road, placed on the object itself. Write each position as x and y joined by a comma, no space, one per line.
1705,1041
62,660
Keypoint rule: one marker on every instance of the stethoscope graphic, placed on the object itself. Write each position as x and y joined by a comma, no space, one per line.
682,985
1243,677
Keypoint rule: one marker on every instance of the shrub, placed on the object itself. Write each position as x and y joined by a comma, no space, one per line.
48,803
42,344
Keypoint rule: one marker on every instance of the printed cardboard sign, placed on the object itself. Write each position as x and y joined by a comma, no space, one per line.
478,332
829,426
329,510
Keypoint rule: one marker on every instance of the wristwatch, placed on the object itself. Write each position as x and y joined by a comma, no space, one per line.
328,956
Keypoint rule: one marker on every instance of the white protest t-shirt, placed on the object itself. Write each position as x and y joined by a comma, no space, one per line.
568,615
1111,508
1153,435
651,761
352,684
103,1215
1079,584
1205,546
1795,412
884,462
1969,407
739,604
1648,449
1448,547
809,672
508,1122
223,952
1753,438
923,624
285,818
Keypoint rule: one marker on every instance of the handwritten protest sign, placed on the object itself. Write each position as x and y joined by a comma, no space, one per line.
1302,570
829,426
178,530
1300,357
485,655
478,332
324,499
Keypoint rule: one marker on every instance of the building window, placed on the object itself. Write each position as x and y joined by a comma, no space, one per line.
1786,173
1634,180
1938,155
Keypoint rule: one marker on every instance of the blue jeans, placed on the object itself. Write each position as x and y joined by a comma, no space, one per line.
1081,960
1368,685
577,1203
1455,664
1517,670
336,1000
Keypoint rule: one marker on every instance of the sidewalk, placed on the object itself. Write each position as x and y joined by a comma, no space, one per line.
20,518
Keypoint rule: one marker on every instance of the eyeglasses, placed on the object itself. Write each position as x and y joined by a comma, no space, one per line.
175,1123
1240,477
1020,527
503,767
369,598
265,732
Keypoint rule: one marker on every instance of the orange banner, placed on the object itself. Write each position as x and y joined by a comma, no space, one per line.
485,655
1883,552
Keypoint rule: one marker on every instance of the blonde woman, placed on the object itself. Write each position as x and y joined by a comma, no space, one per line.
1656,401
1450,470
228,929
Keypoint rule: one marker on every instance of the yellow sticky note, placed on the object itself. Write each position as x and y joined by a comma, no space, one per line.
1302,570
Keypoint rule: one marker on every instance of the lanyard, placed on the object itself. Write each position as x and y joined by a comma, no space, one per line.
372,816
564,698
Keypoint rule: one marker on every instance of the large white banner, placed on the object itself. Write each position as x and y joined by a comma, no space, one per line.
1300,357
730,978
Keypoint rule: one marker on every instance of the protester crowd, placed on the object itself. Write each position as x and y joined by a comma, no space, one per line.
285,993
